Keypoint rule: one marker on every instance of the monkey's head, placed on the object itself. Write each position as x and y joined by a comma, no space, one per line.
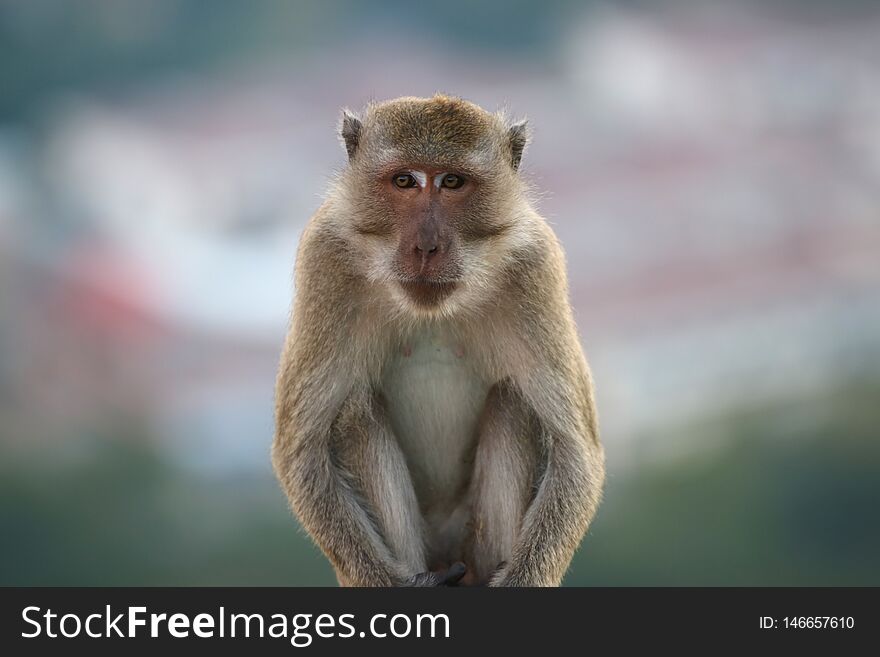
434,198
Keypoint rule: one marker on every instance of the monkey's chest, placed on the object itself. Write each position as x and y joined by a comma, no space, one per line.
434,399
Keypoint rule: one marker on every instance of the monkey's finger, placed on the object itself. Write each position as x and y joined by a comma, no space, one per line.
453,574
424,579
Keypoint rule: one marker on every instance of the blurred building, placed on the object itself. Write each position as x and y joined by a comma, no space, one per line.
713,179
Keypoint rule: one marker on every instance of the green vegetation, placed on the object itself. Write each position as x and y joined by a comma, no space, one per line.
778,502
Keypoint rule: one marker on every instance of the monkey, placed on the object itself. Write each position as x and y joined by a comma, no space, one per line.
435,422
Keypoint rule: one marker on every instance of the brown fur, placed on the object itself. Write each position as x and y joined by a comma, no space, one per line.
534,478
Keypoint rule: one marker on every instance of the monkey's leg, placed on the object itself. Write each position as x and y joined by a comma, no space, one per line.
568,492
383,476
347,488
502,485
556,519
372,460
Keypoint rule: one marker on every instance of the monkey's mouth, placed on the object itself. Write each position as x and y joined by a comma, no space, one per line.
426,292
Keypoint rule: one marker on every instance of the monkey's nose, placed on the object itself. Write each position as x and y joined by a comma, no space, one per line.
427,248
425,255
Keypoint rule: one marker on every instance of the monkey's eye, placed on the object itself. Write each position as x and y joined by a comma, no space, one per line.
404,180
451,181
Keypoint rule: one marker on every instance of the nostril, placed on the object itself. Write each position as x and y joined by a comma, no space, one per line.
432,249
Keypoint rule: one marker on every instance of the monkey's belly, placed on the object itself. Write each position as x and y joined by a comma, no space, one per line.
434,400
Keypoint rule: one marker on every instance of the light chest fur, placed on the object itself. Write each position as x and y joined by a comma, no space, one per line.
434,398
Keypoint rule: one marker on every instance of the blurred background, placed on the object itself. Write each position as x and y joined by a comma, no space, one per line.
712,169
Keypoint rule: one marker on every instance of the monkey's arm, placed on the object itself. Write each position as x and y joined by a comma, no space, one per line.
568,493
317,375
558,389
353,494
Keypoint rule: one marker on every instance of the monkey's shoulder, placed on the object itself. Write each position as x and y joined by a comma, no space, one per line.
323,263
535,271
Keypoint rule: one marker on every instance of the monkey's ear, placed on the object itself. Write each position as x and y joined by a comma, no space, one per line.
517,137
350,132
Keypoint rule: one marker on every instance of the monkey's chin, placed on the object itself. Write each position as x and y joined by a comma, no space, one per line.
427,294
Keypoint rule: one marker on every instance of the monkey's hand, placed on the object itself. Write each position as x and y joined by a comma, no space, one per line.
448,577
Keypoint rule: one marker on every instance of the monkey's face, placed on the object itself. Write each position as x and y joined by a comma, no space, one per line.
429,206
433,184
433,231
